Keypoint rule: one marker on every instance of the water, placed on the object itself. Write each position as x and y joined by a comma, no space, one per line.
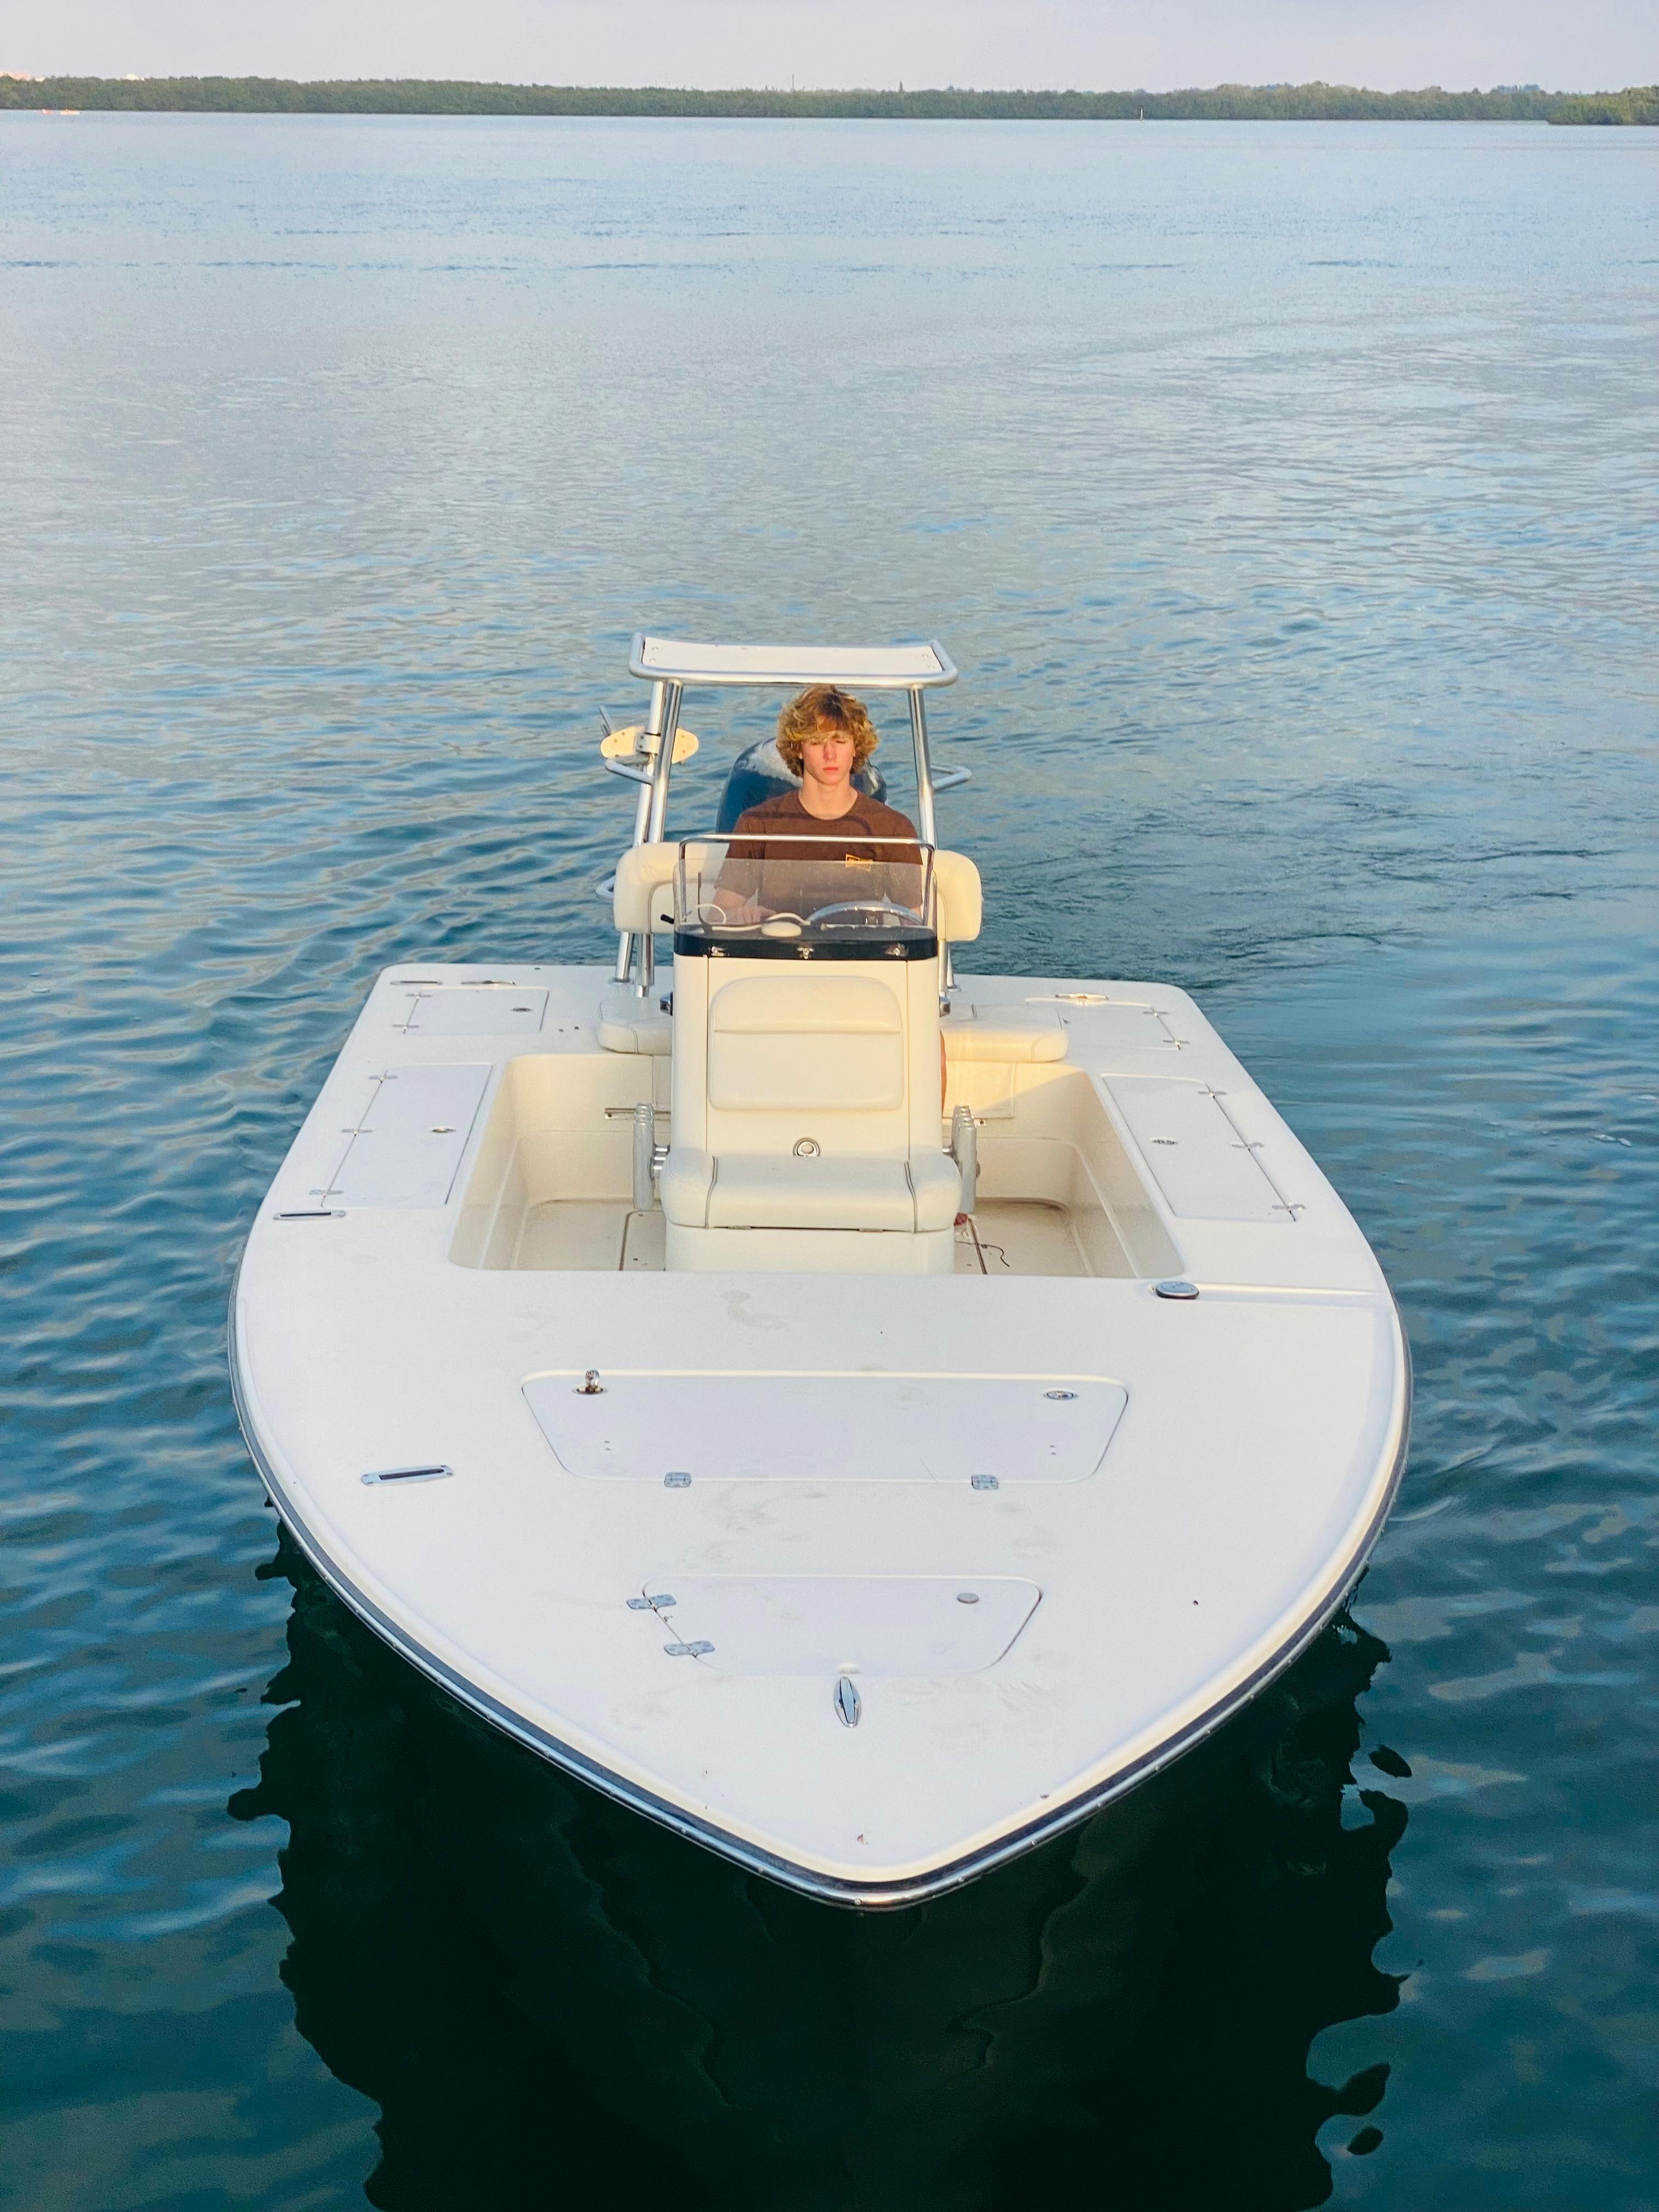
1285,495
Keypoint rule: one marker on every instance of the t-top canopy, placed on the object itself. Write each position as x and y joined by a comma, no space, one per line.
875,668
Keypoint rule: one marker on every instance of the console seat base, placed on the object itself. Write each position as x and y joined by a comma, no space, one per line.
852,1192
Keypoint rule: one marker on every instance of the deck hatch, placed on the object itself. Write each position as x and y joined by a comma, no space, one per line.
408,1139
849,1626
1107,1032
829,1427
1203,1166
470,1010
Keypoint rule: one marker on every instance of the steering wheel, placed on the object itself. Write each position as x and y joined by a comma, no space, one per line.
864,906
711,916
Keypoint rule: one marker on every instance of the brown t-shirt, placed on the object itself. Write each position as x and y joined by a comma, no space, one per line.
778,874
866,817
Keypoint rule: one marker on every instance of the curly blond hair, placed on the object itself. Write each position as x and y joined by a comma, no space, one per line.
822,706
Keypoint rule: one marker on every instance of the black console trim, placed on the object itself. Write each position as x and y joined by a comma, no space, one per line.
704,945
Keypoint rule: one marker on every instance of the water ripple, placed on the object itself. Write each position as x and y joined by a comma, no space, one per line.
1283,495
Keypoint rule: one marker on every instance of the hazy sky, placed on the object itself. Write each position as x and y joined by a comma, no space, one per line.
1575,44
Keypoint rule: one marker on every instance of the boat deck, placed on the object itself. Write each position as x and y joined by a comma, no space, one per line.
1050,1525
1006,1236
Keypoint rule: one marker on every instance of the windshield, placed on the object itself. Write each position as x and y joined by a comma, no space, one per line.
847,897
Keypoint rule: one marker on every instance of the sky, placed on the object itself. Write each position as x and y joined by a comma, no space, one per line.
1089,45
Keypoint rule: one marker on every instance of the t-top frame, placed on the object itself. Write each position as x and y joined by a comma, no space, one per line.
669,665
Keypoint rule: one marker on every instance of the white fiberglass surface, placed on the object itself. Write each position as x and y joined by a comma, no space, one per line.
469,1010
831,1625
402,1133
1005,1237
828,1427
1116,1027
1205,1169
877,668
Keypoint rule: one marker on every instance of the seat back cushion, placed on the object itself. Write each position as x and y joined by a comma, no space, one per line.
805,1044
959,897
1005,1033
643,897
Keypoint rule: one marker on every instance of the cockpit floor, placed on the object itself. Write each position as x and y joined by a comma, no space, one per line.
1006,1236
1017,1236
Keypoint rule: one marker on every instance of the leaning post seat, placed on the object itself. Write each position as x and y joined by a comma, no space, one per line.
806,1115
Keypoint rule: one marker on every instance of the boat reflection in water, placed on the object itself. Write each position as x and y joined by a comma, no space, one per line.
553,2002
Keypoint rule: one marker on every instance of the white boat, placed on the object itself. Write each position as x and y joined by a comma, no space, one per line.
616,1351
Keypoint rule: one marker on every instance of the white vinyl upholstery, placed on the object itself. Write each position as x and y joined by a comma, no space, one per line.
1003,1033
761,1190
630,1024
957,896
687,1177
643,898
758,1190
806,1102
806,1004
806,1095
820,1044
936,1181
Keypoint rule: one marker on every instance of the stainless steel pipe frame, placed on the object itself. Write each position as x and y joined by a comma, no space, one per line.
651,813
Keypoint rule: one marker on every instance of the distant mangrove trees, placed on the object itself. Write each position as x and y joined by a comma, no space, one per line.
1272,103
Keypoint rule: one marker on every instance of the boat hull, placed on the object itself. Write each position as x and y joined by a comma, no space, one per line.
398,1319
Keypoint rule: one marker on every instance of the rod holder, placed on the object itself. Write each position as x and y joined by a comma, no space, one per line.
645,1156
964,1150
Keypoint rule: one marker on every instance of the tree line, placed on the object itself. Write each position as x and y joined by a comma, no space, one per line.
1286,103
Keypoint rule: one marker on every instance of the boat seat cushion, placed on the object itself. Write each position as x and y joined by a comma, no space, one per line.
630,1024
1003,1033
959,898
805,1042
937,1181
763,1190
642,891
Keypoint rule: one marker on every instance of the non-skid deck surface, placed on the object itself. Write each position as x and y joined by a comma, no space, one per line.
1008,1237
594,1233
1019,1237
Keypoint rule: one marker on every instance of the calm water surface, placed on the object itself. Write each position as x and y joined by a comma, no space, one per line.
1286,496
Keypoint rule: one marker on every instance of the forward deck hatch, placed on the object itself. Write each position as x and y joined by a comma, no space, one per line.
864,1625
988,1430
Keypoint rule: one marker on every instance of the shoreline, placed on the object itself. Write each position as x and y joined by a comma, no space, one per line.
1307,103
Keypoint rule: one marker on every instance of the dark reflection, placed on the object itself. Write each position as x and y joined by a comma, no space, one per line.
554,2003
